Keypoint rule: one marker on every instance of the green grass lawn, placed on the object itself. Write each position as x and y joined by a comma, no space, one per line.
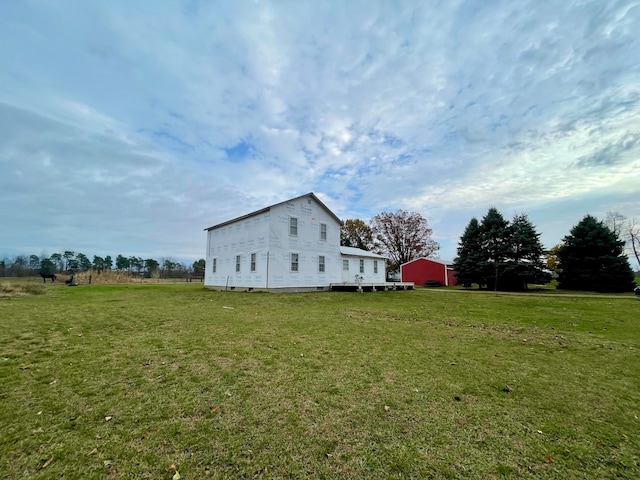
164,381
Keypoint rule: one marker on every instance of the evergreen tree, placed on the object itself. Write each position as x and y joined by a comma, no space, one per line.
499,254
122,262
496,244
98,263
592,258
84,263
525,262
470,255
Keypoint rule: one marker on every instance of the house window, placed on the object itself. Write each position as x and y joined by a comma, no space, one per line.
294,262
237,263
321,263
293,226
345,265
361,265
323,231
253,262
375,266
214,265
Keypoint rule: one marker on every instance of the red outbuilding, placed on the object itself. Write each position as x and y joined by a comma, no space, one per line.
423,269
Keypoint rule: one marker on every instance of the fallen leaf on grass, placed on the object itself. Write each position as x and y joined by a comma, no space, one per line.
548,459
387,408
46,464
38,430
228,308
214,408
227,393
177,476
107,463
93,452
53,382
107,418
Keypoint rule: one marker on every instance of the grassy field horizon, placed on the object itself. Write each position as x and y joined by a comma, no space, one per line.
160,381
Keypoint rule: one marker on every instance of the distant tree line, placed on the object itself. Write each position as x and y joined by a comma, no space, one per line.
70,262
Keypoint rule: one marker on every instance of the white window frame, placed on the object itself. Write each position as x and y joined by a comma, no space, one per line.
345,265
362,265
294,261
375,266
293,226
321,264
323,231
238,260
253,262
214,265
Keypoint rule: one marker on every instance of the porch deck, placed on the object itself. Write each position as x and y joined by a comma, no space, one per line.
371,287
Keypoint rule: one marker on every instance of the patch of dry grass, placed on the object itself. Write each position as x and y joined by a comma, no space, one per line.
12,289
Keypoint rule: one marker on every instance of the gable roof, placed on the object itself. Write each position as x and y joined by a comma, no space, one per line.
358,252
433,260
266,209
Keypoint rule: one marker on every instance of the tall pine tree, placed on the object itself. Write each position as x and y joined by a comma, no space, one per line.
496,239
592,258
499,254
525,262
470,257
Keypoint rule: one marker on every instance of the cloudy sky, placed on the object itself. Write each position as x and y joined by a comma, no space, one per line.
129,127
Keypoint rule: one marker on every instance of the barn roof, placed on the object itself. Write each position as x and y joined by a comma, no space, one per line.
434,260
266,209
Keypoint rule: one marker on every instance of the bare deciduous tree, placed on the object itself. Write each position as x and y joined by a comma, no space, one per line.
402,236
627,229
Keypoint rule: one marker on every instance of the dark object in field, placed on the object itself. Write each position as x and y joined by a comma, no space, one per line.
432,283
637,291
48,275
71,282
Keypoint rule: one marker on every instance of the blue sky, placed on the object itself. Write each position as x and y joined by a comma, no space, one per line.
129,127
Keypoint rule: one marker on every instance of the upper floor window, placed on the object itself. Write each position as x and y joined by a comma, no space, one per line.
237,263
293,226
294,262
361,265
253,262
321,263
323,231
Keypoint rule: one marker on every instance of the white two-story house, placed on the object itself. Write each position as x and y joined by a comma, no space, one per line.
293,245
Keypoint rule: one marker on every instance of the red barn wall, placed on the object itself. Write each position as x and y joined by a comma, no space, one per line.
422,269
